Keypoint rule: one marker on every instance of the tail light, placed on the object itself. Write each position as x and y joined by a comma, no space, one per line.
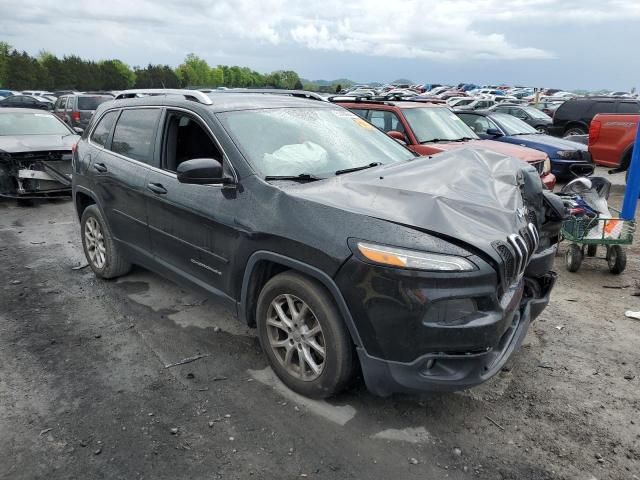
75,116
594,131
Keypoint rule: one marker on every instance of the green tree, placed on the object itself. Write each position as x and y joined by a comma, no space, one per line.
5,51
194,71
156,76
115,75
24,71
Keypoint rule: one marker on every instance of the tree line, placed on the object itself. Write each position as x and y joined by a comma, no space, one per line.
21,71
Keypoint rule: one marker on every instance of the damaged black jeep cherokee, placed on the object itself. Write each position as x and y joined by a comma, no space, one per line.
344,249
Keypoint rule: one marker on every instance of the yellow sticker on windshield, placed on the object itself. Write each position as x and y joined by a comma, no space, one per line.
363,123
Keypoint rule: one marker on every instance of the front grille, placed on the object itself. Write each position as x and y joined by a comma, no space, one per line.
517,251
533,218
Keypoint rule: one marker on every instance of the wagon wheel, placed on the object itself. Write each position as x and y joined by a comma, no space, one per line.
573,257
616,259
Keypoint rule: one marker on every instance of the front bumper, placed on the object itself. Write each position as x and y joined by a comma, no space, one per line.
447,372
565,169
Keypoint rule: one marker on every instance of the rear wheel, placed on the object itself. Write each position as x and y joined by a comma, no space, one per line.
542,129
573,257
303,335
103,254
616,259
575,131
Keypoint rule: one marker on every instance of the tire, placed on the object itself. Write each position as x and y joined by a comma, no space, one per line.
542,129
592,250
293,340
101,251
575,131
573,257
617,259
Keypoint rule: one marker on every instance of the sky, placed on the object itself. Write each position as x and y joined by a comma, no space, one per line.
567,44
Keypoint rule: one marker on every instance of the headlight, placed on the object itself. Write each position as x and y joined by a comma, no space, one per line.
547,165
399,257
567,154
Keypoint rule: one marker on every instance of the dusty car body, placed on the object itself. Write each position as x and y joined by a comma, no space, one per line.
35,155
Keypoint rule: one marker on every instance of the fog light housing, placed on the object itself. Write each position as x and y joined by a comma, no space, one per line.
454,311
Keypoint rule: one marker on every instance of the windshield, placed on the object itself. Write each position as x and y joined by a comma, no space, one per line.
432,123
466,101
31,124
92,103
535,113
315,141
512,125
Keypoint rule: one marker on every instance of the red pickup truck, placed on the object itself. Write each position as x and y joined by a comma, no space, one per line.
611,138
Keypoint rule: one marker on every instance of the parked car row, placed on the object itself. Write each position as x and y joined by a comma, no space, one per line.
431,271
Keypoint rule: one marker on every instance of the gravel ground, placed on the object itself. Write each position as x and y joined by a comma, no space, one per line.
84,392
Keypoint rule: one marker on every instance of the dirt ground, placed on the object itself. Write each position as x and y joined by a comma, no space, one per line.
84,392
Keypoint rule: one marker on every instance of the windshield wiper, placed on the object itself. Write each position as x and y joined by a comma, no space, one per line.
435,140
355,169
303,177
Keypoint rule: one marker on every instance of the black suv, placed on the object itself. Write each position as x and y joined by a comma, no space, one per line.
338,243
574,116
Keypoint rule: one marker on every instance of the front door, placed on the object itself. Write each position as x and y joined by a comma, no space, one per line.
191,227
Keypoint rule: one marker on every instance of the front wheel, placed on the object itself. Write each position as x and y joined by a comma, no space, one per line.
616,259
573,257
303,335
542,129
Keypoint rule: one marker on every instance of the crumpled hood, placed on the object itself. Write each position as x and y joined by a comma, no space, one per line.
542,141
36,143
470,195
523,153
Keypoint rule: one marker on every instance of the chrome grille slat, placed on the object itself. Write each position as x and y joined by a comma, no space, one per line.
524,246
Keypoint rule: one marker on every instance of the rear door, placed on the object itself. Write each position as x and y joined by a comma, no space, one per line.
59,107
191,226
86,106
120,171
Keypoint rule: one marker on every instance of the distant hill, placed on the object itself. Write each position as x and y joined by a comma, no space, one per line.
404,80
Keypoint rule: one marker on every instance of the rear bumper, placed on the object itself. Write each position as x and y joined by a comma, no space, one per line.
450,371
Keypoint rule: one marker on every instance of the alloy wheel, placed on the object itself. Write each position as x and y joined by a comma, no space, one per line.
94,241
296,337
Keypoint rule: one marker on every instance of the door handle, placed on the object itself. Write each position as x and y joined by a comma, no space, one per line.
101,167
157,188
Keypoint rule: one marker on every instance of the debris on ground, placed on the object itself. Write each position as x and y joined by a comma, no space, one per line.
630,314
494,422
80,267
413,461
16,282
46,430
616,287
174,431
186,360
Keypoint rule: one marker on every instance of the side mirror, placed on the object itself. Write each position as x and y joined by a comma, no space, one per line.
399,136
78,130
494,132
201,171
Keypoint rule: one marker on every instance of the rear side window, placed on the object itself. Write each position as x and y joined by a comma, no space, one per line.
602,107
135,133
628,107
101,133
385,121
91,103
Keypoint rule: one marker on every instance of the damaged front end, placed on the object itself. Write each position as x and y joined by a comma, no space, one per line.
31,175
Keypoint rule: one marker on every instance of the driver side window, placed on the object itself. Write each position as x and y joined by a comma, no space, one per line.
185,139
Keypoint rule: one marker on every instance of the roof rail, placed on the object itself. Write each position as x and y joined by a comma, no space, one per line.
276,91
358,99
195,95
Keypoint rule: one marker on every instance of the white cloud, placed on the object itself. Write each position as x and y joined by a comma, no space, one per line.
453,30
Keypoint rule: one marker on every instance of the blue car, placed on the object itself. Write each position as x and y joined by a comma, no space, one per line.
568,159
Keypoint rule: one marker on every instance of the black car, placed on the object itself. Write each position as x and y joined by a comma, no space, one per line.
76,110
35,155
534,117
26,101
336,242
568,159
574,116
